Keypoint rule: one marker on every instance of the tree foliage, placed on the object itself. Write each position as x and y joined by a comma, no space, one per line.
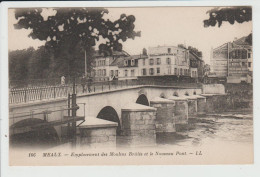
18,63
195,51
229,14
70,26
30,64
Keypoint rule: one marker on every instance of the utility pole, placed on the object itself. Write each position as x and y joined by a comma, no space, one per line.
85,63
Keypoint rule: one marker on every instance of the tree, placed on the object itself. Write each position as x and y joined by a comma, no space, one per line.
18,63
181,46
76,27
144,51
195,51
229,14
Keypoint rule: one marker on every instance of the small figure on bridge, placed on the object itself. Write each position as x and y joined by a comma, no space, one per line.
89,84
83,83
62,80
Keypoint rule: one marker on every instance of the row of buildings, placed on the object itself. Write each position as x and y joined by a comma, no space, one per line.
159,61
232,61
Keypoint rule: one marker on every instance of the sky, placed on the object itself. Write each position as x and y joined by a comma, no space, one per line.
159,26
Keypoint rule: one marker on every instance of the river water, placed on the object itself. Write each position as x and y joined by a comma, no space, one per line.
221,129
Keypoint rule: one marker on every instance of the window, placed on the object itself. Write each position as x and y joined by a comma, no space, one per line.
169,50
143,61
104,72
116,72
169,70
249,64
249,55
175,61
151,71
168,61
144,72
158,70
111,73
243,63
181,71
126,73
132,72
175,71
158,61
151,61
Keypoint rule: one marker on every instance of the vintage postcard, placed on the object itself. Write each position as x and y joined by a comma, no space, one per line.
91,85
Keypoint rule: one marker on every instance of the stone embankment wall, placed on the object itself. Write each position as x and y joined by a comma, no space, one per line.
239,97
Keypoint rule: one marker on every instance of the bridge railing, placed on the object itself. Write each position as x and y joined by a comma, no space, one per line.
30,94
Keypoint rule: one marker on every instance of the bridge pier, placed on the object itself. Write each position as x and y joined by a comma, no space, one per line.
138,125
96,133
165,120
180,112
201,104
192,106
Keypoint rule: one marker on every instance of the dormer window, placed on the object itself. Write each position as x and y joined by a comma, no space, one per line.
132,62
125,62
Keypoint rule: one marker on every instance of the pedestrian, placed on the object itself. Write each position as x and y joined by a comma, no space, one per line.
62,80
83,83
89,84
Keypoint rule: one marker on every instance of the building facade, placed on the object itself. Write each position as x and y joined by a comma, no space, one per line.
233,61
165,60
106,66
160,61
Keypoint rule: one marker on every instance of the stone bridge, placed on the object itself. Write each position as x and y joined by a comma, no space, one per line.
105,105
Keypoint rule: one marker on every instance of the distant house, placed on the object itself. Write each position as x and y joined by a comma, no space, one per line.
129,67
196,66
233,61
165,60
106,66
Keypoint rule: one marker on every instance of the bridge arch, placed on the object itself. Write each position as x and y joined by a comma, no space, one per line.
42,137
187,93
194,92
142,99
110,114
162,95
175,93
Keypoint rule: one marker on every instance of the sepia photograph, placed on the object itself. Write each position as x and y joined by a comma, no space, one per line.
154,85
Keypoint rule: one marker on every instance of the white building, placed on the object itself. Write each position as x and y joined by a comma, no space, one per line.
165,60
